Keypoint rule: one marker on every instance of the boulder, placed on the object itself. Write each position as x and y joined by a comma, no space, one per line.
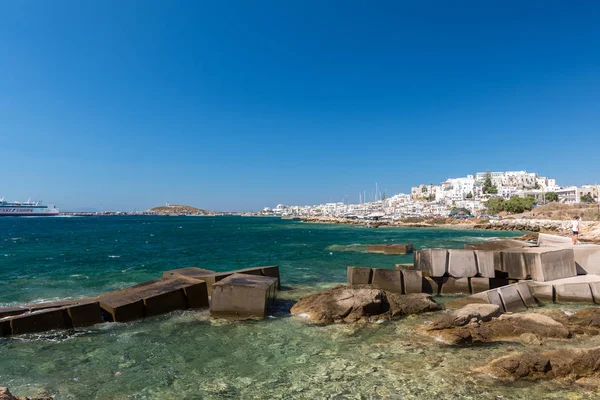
6,395
360,302
465,315
507,327
570,364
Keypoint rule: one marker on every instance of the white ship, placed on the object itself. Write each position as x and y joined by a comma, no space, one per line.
27,208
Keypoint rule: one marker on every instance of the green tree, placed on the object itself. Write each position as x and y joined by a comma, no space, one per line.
495,205
586,198
488,186
551,196
518,204
469,195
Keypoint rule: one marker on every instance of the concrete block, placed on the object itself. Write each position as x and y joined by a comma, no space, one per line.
273,271
376,248
5,329
550,264
84,314
574,292
388,279
40,321
210,277
542,291
526,295
513,263
479,285
433,260
412,282
461,263
450,285
146,299
511,299
10,311
404,248
242,296
488,262
493,296
430,285
587,258
196,293
406,267
359,276
595,288
545,239
498,245
478,298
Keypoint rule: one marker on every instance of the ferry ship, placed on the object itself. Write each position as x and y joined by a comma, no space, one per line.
27,208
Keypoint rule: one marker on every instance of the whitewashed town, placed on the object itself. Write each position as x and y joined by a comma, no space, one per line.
471,193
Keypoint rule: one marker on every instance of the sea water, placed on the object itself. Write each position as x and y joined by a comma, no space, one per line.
187,355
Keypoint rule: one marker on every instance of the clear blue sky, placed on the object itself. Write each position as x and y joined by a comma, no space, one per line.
232,105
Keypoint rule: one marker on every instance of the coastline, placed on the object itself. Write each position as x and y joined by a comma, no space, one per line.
591,229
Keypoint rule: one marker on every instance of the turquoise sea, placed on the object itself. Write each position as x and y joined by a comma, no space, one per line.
187,355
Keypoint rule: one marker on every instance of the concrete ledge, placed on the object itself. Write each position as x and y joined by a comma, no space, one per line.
376,248
511,299
450,285
84,314
497,245
429,285
435,261
10,311
404,248
5,329
479,285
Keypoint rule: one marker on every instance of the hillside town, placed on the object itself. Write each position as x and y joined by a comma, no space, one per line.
465,196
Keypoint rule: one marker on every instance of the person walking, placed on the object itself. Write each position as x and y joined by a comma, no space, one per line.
575,227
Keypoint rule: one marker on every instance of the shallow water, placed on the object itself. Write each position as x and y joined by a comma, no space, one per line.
186,355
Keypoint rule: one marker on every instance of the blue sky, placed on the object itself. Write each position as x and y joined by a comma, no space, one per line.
239,105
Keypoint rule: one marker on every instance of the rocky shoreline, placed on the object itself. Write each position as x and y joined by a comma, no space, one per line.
590,231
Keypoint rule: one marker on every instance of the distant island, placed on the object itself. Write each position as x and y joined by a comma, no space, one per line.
178,209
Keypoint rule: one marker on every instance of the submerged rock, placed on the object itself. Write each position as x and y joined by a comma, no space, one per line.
525,328
358,302
468,314
6,395
574,365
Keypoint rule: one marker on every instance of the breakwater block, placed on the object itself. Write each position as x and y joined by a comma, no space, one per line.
526,295
461,263
243,296
450,285
359,276
388,279
435,261
5,329
512,299
153,298
542,291
404,248
376,248
211,277
587,258
488,262
40,321
574,292
540,263
496,245
10,311
430,286
412,281
84,314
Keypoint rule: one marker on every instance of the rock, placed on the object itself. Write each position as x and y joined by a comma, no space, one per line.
481,312
6,395
400,305
507,327
566,364
359,302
